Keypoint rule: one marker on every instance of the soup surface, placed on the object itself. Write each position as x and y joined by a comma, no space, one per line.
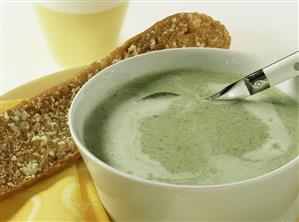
186,139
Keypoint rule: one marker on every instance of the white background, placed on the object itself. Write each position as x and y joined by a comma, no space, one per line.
265,28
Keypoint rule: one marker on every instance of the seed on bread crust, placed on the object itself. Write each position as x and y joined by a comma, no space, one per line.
35,141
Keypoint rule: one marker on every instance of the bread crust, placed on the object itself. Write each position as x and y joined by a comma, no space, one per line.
35,141
56,168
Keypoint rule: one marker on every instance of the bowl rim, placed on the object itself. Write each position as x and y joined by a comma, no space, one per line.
84,151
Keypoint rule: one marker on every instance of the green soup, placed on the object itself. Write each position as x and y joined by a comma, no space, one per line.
188,140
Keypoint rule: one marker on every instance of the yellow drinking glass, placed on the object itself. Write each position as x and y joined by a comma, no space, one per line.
79,32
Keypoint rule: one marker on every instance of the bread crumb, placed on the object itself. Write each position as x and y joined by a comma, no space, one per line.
30,169
6,116
51,153
198,44
10,184
24,115
196,22
115,60
61,143
132,50
35,138
152,43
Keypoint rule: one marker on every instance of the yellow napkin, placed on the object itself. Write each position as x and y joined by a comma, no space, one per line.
67,196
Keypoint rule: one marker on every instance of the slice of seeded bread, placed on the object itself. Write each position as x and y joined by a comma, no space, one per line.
35,141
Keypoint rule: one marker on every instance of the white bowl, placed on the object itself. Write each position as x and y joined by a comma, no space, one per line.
128,198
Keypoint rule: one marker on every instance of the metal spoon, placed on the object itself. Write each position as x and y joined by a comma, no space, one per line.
282,70
159,94
253,83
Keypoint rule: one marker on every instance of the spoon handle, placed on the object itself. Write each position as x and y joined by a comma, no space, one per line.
284,69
